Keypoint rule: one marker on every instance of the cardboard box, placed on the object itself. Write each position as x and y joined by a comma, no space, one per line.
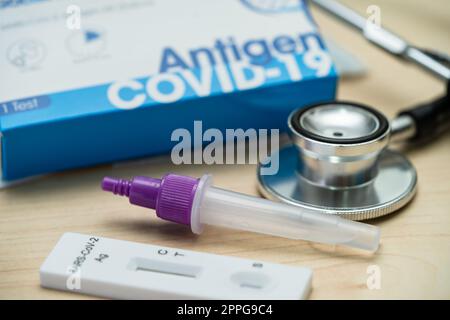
110,80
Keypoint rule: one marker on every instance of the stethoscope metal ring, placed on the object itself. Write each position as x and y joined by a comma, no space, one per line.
328,123
338,163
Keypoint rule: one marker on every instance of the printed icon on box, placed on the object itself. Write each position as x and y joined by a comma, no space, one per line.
26,54
86,43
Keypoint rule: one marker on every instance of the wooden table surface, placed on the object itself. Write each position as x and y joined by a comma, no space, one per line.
414,257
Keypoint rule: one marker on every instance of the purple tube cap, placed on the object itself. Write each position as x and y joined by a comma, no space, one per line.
171,197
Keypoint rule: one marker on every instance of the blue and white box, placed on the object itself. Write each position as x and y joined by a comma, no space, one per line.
108,80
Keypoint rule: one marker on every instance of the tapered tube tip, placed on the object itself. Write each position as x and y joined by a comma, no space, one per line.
108,184
116,186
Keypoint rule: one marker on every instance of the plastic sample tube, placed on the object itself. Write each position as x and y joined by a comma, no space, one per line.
195,202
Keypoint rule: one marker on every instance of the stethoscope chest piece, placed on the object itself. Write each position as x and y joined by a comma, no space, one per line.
338,163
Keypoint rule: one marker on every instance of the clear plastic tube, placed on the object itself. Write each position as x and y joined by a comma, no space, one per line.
238,211
195,202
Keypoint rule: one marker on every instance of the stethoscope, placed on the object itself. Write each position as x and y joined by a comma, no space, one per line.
337,161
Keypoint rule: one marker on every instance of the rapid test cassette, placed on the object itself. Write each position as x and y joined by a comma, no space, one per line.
126,270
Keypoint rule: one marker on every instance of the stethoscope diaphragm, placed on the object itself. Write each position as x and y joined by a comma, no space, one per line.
338,163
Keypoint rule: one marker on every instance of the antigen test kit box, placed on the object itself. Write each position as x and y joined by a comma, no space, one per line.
107,80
